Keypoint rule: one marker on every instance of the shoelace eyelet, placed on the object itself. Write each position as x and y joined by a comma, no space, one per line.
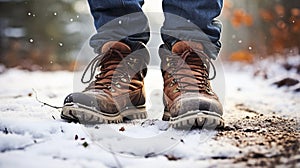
123,80
168,59
209,91
176,90
118,85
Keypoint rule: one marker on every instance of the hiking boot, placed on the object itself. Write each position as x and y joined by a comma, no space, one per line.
188,97
117,93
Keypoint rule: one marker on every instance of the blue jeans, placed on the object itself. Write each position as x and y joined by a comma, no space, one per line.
124,20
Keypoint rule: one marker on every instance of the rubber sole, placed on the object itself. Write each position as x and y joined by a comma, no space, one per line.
197,119
85,115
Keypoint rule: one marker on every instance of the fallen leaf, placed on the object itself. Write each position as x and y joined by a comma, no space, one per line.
286,82
122,129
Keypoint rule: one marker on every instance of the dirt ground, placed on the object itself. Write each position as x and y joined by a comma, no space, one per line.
264,140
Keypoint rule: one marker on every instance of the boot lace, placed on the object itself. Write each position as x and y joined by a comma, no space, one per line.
197,64
113,74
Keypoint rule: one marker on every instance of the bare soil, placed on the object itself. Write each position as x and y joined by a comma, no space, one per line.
263,140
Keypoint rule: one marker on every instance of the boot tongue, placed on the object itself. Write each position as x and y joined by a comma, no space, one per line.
182,46
122,47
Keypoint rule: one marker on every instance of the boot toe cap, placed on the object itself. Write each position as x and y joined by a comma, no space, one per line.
186,103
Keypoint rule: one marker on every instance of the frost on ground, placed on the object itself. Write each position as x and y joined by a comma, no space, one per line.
262,125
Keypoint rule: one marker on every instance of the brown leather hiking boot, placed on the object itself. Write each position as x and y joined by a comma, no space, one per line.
117,93
188,97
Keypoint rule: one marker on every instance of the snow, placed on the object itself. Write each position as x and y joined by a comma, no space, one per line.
260,94
33,135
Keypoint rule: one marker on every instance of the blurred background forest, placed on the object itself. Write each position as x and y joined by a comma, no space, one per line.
260,28
43,35
48,35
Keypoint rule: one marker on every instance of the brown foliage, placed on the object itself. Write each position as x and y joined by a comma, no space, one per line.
241,56
276,28
266,15
240,17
